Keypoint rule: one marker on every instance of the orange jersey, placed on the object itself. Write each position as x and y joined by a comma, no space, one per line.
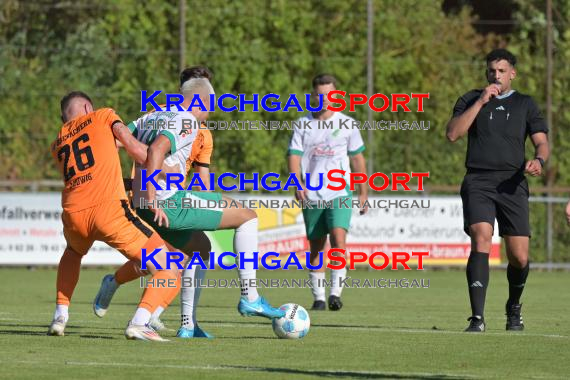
87,157
202,149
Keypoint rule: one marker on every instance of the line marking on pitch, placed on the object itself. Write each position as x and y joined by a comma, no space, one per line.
348,328
409,331
254,369
298,371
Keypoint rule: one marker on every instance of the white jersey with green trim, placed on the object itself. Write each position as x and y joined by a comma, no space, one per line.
181,128
327,145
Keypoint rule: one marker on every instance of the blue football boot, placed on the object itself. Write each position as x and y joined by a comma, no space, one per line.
260,307
196,332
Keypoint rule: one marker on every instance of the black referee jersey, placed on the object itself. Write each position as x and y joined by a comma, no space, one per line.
496,140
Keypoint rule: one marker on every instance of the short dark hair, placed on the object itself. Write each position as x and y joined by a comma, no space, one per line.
323,79
500,54
64,103
195,72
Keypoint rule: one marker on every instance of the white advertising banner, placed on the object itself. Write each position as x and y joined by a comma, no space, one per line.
393,224
31,230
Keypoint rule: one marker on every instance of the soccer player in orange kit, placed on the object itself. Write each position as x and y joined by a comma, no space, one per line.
95,207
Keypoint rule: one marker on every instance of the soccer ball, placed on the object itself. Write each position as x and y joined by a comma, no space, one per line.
294,325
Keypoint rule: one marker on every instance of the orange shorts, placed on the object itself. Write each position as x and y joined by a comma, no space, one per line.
112,222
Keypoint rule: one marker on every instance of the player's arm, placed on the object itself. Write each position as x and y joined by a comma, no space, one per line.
358,163
135,149
537,129
542,152
355,148
541,146
294,158
202,163
460,124
155,157
294,163
140,150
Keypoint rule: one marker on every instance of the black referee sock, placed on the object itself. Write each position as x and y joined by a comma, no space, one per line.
477,281
517,279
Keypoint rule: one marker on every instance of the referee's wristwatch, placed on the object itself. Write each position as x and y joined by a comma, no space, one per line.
541,160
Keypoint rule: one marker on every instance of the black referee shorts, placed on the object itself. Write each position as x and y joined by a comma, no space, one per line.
487,195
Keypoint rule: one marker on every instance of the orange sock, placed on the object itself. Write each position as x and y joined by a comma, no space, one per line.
156,295
173,292
67,276
129,271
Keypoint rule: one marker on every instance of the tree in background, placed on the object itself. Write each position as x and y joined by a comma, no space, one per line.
113,49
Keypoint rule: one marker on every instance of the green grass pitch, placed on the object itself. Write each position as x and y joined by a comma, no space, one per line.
379,334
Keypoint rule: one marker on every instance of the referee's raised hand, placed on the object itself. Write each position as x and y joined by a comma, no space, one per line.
489,92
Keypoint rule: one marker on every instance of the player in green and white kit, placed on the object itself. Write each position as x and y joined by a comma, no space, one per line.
177,225
319,150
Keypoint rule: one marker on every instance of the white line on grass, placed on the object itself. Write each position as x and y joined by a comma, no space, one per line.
407,331
251,369
348,328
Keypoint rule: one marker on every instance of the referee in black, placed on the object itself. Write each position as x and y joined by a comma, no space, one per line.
497,121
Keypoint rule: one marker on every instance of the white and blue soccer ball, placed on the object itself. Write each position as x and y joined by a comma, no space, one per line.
295,324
